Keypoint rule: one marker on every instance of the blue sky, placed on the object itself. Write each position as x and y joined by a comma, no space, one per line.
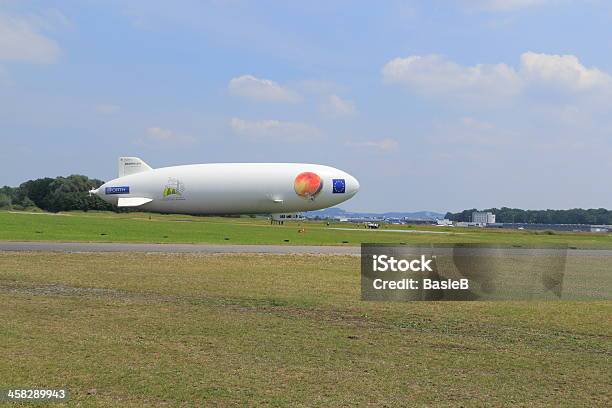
438,105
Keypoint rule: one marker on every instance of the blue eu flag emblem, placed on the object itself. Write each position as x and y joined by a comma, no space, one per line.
339,186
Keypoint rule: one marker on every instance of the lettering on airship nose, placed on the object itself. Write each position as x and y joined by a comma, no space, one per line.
117,190
308,185
174,189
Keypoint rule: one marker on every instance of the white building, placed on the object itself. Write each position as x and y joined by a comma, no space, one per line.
483,217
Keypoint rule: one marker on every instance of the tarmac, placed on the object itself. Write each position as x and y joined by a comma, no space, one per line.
52,246
177,248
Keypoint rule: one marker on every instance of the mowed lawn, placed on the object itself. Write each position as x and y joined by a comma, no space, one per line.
239,330
141,227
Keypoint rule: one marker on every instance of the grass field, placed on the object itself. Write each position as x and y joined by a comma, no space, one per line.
236,330
140,227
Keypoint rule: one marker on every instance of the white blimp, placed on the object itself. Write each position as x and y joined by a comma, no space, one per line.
280,189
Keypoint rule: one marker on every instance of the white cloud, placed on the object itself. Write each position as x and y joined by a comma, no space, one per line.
502,5
258,89
274,130
20,40
107,109
386,144
562,71
160,136
336,106
433,75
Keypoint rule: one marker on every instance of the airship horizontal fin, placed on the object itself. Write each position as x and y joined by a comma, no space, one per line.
132,201
132,165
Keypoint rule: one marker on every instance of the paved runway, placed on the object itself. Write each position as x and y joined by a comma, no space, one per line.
249,249
186,248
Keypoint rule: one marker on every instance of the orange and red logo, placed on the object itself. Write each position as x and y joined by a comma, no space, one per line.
308,185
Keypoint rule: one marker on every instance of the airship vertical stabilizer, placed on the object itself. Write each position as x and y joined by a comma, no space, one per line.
132,165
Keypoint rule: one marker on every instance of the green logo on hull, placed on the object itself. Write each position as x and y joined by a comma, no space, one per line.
173,190
169,191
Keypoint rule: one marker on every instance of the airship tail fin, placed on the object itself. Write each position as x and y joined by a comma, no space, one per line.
132,165
132,201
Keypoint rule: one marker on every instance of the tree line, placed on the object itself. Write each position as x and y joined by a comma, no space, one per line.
517,215
54,194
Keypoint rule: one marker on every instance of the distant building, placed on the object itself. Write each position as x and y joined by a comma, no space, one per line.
483,217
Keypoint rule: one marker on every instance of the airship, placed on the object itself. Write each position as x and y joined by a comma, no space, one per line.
281,189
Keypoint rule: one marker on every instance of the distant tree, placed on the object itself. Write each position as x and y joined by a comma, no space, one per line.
72,193
36,190
463,216
25,203
60,194
5,201
10,192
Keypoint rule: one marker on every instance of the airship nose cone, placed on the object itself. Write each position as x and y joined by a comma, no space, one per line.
101,192
352,185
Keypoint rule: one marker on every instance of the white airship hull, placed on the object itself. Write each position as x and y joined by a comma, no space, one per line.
231,188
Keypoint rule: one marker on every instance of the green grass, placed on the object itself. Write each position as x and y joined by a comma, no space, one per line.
236,330
140,227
